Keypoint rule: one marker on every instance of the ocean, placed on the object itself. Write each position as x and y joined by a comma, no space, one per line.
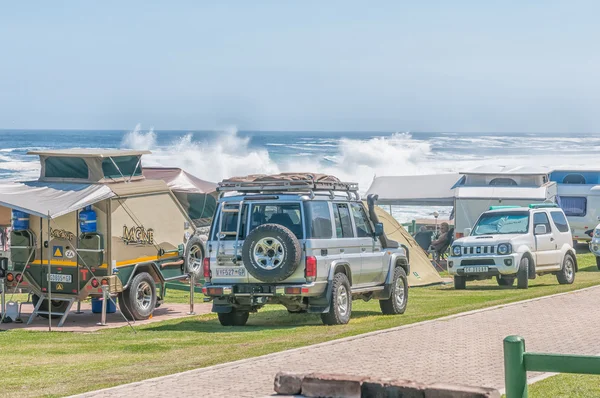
352,156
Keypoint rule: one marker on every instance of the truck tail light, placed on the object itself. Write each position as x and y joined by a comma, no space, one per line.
10,277
206,268
311,268
95,283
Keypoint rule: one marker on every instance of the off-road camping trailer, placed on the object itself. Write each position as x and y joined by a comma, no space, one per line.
93,220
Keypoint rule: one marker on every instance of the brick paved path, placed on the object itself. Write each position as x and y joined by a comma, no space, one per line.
465,349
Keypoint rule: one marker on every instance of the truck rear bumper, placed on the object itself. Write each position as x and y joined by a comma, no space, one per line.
314,289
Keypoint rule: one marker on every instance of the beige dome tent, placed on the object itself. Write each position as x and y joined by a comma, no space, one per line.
422,271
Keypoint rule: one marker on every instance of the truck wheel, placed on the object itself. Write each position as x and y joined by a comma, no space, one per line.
340,304
460,282
566,276
523,274
396,304
139,300
505,280
234,318
271,253
194,253
58,306
598,262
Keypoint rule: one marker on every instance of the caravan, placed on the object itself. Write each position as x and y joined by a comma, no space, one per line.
483,187
578,194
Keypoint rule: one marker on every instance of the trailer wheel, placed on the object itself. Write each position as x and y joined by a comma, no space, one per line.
59,306
139,300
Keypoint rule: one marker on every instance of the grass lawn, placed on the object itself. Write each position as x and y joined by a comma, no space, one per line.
35,363
566,385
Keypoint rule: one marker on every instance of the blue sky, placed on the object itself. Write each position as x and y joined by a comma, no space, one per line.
304,65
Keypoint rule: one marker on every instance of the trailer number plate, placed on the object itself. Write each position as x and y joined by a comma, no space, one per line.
231,272
470,270
61,278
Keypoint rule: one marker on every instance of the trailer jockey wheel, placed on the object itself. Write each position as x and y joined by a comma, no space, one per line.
57,306
139,300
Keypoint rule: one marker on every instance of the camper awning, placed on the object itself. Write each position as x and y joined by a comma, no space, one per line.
426,190
46,199
504,193
178,180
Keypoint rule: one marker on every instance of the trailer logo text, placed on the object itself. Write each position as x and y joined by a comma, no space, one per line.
138,235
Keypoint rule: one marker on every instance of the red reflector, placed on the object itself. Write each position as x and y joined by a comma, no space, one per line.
74,290
43,289
95,283
206,267
311,267
304,290
59,269
215,291
292,290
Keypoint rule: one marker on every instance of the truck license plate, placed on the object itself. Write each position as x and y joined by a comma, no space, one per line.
61,278
472,270
231,272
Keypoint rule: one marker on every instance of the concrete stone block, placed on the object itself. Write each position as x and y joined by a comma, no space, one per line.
287,383
334,386
392,388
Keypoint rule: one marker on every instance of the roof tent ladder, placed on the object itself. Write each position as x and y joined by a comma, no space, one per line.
237,232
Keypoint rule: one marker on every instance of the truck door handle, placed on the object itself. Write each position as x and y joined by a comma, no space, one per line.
342,250
551,239
364,249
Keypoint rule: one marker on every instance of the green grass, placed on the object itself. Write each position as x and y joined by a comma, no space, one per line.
72,363
566,385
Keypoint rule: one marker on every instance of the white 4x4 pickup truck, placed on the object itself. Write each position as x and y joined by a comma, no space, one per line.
511,242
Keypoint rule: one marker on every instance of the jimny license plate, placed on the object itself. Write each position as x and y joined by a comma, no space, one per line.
61,278
474,270
231,272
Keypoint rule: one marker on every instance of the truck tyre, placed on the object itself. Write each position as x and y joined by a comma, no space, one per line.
460,282
396,304
340,304
598,262
194,254
58,306
271,253
566,276
234,318
523,274
505,280
139,300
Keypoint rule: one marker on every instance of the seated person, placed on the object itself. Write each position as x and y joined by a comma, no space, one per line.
443,240
423,238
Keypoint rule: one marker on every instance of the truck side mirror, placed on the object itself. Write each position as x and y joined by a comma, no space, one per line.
540,229
378,230
467,231
598,218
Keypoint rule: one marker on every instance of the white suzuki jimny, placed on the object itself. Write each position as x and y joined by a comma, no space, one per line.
511,242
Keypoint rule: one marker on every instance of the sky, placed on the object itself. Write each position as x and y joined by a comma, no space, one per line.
461,66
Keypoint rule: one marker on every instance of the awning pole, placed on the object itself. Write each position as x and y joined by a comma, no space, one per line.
49,279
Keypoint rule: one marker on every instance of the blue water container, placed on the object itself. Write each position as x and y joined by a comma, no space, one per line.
20,220
87,220
111,308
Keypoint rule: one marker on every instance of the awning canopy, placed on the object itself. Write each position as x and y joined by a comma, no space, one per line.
51,200
426,190
178,180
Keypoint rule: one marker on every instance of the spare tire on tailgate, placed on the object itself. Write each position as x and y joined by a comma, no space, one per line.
271,253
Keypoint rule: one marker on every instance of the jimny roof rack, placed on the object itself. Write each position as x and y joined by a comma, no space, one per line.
277,185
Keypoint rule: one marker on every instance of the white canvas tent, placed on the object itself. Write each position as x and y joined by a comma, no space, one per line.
426,190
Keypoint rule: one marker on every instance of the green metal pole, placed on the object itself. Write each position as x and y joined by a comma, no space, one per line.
414,226
515,373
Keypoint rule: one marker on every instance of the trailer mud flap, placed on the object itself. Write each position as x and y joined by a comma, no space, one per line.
222,309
